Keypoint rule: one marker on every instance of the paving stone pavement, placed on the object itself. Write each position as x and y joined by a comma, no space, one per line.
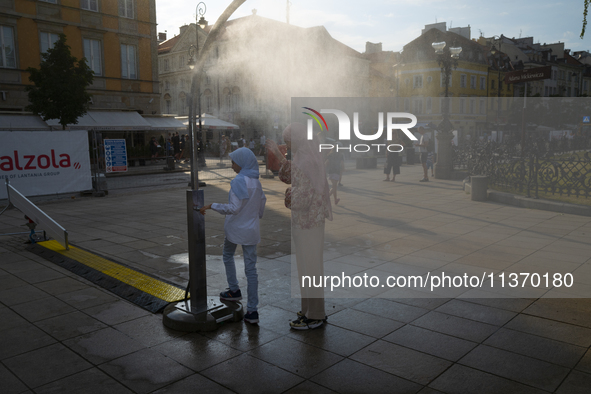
61,334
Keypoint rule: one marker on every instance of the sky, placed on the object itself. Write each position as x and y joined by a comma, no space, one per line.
395,23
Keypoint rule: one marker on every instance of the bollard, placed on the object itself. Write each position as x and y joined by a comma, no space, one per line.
479,187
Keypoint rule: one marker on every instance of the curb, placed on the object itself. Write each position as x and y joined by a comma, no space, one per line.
544,205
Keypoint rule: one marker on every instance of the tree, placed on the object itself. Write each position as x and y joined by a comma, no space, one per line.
59,85
585,9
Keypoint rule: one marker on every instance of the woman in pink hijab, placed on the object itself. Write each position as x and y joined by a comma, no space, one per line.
309,201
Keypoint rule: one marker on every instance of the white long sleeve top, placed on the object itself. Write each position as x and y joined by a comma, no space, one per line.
242,216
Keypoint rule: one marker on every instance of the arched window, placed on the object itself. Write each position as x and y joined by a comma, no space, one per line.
182,104
208,102
236,99
167,103
227,95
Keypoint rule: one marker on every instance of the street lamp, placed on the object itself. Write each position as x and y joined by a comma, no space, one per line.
195,90
447,58
199,313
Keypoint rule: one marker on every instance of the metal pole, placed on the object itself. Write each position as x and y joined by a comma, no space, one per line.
190,142
198,317
523,120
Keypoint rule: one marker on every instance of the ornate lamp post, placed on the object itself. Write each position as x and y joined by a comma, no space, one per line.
447,58
199,313
196,87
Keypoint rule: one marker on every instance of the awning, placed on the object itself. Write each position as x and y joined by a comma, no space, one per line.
85,122
14,122
424,125
107,120
164,123
210,122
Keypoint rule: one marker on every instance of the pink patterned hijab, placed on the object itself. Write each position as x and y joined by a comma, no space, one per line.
307,158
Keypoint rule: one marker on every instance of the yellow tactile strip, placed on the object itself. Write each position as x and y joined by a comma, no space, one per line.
143,282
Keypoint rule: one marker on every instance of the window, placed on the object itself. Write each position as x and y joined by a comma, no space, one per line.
417,81
126,8
235,102
183,105
182,62
417,106
492,83
442,80
429,105
166,65
46,41
473,81
168,106
166,85
584,85
482,83
92,53
463,80
545,91
7,57
406,105
90,5
208,101
50,1
482,107
472,106
462,106
128,67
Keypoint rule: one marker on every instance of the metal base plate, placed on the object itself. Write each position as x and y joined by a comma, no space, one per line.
178,316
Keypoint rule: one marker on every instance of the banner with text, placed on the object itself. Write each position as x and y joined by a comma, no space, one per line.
45,162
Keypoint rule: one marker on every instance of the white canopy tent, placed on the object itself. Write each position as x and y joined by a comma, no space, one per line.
210,122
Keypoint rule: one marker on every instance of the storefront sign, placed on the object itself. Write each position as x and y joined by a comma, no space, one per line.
115,155
531,74
45,162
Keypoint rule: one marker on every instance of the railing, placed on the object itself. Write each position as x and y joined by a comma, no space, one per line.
561,167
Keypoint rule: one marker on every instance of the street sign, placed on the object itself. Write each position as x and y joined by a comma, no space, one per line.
531,74
586,119
115,155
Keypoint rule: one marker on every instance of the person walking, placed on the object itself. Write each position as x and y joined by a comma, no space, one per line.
422,145
393,160
241,227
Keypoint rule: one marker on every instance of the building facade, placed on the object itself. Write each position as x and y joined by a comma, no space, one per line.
420,82
255,67
117,38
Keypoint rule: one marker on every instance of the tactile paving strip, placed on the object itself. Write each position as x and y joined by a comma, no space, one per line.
144,290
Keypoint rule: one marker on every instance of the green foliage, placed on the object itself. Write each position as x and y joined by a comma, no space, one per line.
585,9
59,85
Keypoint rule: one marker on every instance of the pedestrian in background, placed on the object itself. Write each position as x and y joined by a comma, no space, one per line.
422,145
393,160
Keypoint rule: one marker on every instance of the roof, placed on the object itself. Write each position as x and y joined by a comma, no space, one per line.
166,46
265,24
420,48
